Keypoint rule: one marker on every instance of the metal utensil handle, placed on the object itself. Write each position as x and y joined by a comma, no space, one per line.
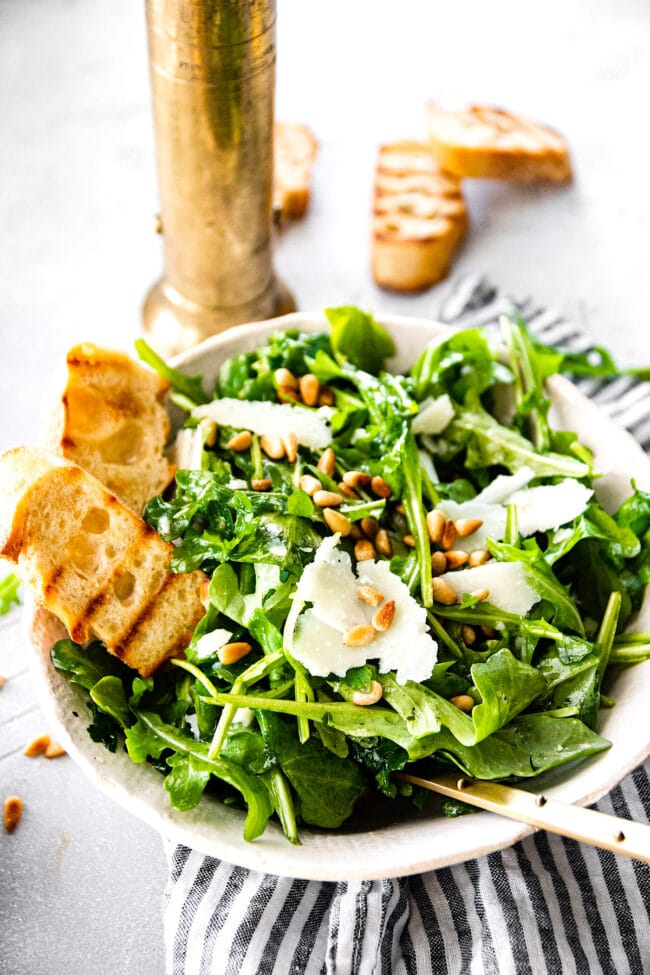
599,829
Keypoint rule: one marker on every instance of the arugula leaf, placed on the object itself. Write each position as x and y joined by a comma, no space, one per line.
9,587
490,443
463,362
357,337
188,386
108,694
86,666
527,746
562,609
187,780
104,730
327,786
151,737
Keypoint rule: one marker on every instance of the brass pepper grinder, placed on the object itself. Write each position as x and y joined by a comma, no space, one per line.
213,83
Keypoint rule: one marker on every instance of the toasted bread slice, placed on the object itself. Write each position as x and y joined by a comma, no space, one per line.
492,143
295,151
92,562
109,417
418,221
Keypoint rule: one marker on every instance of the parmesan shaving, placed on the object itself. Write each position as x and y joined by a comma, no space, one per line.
278,419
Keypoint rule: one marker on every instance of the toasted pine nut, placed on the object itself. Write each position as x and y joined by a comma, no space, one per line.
309,386
438,563
327,462
356,479
310,484
384,616
467,526
327,499
468,634
371,697
488,632
370,595
284,377
13,810
481,594
326,396
355,531
380,487
2,680
290,443
364,550
456,559
209,429
436,525
369,526
443,593
448,534
54,750
287,394
262,484
230,653
204,592
347,491
400,509
478,557
241,441
359,636
272,446
337,522
463,701
409,540
383,543
37,746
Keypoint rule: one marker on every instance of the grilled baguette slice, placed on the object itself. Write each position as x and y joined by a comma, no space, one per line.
92,562
295,151
490,142
419,218
108,415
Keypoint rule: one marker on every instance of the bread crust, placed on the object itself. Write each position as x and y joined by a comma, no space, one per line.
107,414
419,218
295,150
492,143
92,562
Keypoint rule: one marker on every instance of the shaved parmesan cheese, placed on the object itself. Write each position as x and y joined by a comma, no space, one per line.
506,582
493,517
538,509
549,505
211,643
278,419
315,636
504,485
434,415
187,451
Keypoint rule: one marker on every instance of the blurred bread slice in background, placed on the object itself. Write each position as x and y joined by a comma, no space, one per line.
107,413
92,562
295,149
487,142
419,218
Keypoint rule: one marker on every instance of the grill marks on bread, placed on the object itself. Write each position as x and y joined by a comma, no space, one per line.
488,142
419,218
109,417
92,562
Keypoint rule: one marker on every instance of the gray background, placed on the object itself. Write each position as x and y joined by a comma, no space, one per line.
81,881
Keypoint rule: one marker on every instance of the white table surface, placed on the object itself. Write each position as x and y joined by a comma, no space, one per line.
80,880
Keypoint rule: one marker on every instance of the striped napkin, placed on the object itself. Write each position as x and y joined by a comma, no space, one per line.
544,905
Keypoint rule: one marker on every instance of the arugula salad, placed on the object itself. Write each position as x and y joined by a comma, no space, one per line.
399,569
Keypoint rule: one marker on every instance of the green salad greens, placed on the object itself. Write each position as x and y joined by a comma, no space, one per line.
403,569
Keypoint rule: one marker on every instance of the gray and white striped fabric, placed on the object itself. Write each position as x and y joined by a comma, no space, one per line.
544,905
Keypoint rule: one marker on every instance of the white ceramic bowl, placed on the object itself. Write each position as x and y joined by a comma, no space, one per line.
398,848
